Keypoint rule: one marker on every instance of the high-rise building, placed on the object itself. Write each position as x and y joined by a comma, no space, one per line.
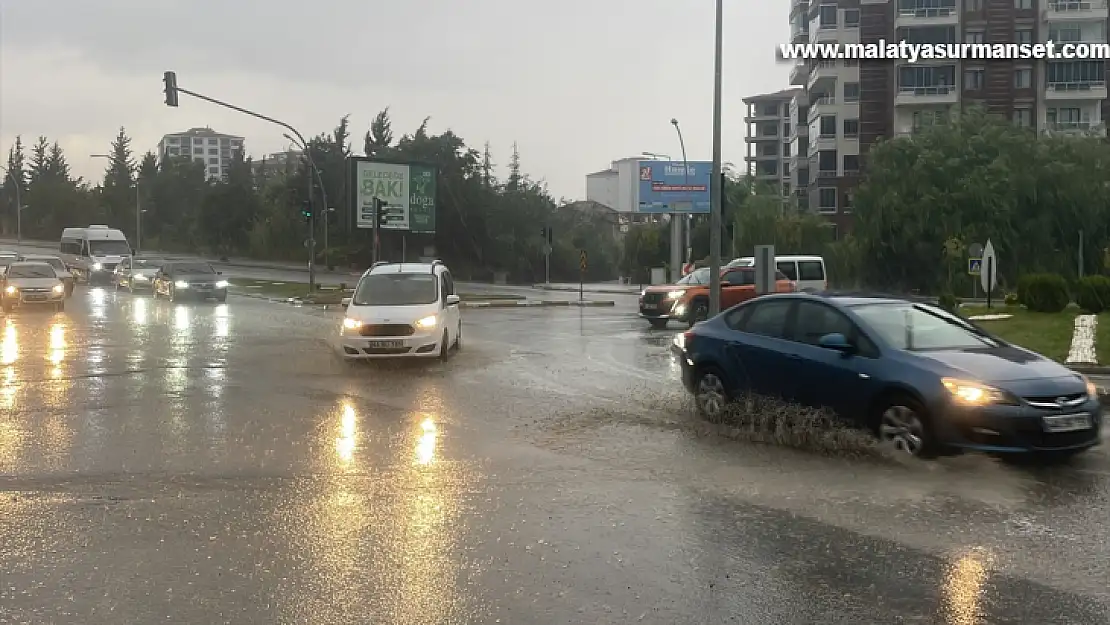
770,152
205,145
849,105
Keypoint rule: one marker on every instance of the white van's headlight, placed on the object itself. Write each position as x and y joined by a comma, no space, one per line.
97,267
140,277
222,284
181,284
426,322
59,288
352,324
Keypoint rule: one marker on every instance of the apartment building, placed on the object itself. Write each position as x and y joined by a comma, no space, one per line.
770,128
848,106
204,145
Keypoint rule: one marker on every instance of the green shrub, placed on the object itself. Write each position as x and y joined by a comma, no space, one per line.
1043,292
948,302
1012,299
1092,293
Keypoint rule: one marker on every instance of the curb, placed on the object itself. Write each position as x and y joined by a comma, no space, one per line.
544,287
1090,369
537,304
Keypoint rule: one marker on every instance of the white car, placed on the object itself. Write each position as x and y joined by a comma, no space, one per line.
402,310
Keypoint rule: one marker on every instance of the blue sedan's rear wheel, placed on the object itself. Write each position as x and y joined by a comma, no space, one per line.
711,394
904,425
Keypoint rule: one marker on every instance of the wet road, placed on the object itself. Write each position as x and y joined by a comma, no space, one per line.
202,463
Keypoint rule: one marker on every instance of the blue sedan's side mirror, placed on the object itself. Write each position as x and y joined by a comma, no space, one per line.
836,341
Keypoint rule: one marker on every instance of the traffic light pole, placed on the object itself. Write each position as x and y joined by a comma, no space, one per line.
172,89
377,229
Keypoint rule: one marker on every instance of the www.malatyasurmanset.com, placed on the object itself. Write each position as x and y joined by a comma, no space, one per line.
914,52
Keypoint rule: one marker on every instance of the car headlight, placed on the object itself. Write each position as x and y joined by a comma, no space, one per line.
426,322
181,284
1092,388
679,309
141,278
643,293
222,284
971,393
352,324
11,290
675,294
97,267
59,288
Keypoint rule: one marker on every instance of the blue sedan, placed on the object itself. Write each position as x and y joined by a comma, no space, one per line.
919,377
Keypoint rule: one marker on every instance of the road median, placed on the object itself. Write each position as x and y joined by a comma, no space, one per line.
298,293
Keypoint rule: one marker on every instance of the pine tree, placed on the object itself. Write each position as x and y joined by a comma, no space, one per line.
14,179
118,193
56,163
515,178
380,136
39,166
487,167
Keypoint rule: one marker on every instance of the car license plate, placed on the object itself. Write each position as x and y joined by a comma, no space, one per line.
387,344
1067,423
35,298
650,307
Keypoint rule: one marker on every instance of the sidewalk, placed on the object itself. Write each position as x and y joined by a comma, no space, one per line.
614,288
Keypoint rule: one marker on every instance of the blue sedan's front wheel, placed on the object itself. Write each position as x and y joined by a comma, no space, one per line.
904,425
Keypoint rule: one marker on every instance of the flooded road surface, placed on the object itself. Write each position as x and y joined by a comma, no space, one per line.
203,463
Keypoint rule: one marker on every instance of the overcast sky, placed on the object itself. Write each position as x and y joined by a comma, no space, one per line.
575,83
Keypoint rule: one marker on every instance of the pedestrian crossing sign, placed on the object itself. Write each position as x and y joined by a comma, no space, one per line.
974,266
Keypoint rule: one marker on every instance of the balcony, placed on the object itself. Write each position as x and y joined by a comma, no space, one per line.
1076,128
927,95
816,107
824,72
913,14
1071,11
800,37
798,6
1085,90
799,74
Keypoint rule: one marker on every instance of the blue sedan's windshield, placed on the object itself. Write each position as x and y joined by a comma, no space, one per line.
912,327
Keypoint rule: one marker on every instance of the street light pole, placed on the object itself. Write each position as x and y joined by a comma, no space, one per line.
18,209
686,176
716,196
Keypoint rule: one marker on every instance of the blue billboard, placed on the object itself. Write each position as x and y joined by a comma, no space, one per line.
667,187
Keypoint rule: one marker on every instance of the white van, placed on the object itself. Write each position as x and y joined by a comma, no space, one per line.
92,253
807,272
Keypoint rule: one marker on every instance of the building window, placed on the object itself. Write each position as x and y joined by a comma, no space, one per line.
974,36
828,126
213,151
771,110
1024,5
1070,34
198,141
851,163
851,128
974,78
786,129
827,162
851,18
769,149
786,149
1024,36
215,171
1023,78
769,130
826,200
1023,117
925,119
851,62
826,14
786,170
214,161
851,92
171,140
973,5
213,142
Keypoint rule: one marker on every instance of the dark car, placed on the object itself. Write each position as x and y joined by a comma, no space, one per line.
688,299
189,280
919,377
136,273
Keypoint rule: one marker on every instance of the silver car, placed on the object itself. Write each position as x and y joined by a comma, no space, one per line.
136,274
59,267
32,284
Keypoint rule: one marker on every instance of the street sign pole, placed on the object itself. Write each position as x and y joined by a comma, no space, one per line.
581,275
989,270
990,279
376,203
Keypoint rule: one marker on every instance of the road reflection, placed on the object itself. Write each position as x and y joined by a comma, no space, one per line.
345,442
962,589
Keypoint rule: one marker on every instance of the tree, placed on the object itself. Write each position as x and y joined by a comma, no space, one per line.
118,190
380,136
515,179
487,167
14,182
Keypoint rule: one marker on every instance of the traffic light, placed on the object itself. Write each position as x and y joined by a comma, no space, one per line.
379,212
546,233
170,80
306,210
543,232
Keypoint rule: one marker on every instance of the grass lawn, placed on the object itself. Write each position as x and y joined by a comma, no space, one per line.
330,293
1045,333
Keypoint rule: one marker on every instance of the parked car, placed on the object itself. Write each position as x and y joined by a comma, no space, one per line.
920,378
687,300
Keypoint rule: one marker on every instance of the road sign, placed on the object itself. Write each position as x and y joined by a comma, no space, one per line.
765,269
974,266
308,242
989,276
582,258
547,249
975,250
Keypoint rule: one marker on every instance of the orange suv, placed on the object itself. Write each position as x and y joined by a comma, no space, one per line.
688,300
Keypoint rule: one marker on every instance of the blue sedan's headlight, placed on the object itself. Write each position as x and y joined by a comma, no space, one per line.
222,284
969,393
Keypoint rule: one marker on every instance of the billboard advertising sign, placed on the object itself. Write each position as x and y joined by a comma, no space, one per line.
407,189
668,187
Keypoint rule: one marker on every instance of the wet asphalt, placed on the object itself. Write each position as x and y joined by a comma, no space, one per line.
202,463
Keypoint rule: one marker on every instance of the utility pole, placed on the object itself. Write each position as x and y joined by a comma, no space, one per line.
686,176
715,180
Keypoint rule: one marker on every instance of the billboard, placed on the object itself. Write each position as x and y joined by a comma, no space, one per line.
408,190
668,187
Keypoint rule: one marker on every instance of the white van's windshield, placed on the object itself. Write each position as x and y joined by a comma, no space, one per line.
109,248
396,289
